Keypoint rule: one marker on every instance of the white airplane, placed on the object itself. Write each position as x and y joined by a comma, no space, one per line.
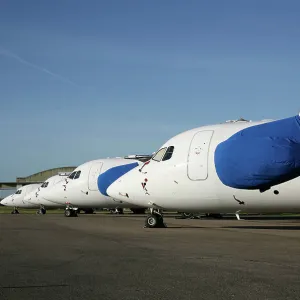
232,167
36,197
80,189
16,200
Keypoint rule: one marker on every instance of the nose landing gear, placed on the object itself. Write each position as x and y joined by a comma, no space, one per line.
155,219
70,211
41,211
15,211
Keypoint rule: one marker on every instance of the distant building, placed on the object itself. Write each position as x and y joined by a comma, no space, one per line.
39,177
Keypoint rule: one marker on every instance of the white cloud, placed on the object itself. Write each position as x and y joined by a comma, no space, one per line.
10,54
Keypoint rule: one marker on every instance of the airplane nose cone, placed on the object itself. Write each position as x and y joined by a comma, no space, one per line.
128,188
117,190
30,199
54,194
49,195
5,202
106,179
27,198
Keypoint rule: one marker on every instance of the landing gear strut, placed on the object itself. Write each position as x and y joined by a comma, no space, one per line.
15,211
155,219
237,214
186,215
118,211
70,211
41,211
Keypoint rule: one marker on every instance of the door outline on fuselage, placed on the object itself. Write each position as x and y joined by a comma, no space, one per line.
209,134
94,173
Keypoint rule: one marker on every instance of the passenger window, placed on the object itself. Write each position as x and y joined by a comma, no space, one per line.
72,175
159,154
169,153
77,175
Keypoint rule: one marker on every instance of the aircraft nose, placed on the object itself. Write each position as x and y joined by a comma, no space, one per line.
129,188
27,198
54,194
5,201
106,179
30,199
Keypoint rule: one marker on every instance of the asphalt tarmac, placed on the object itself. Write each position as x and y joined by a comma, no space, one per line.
113,257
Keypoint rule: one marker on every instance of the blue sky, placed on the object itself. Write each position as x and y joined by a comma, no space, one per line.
81,80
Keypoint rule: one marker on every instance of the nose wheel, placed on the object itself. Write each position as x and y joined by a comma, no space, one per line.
155,220
41,211
118,211
15,211
70,212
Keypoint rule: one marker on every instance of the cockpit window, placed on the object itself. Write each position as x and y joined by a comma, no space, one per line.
169,153
77,175
159,154
45,184
18,192
71,176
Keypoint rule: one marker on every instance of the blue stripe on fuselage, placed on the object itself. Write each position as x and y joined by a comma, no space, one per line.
111,175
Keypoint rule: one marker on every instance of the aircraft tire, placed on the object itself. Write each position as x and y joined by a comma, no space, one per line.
68,213
120,211
154,221
43,211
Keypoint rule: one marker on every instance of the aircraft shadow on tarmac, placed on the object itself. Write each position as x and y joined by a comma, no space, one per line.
224,218
264,218
266,227
250,218
259,227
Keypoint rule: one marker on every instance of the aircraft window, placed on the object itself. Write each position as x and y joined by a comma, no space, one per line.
159,154
18,192
169,153
77,175
72,175
45,184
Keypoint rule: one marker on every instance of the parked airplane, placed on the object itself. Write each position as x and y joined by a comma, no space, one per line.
36,197
232,167
80,189
16,200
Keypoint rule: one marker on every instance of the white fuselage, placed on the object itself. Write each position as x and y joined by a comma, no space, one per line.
18,199
37,197
81,190
188,180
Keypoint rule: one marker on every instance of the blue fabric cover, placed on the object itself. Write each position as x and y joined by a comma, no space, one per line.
260,156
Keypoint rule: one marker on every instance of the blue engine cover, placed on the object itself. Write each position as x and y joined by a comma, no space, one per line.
260,156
